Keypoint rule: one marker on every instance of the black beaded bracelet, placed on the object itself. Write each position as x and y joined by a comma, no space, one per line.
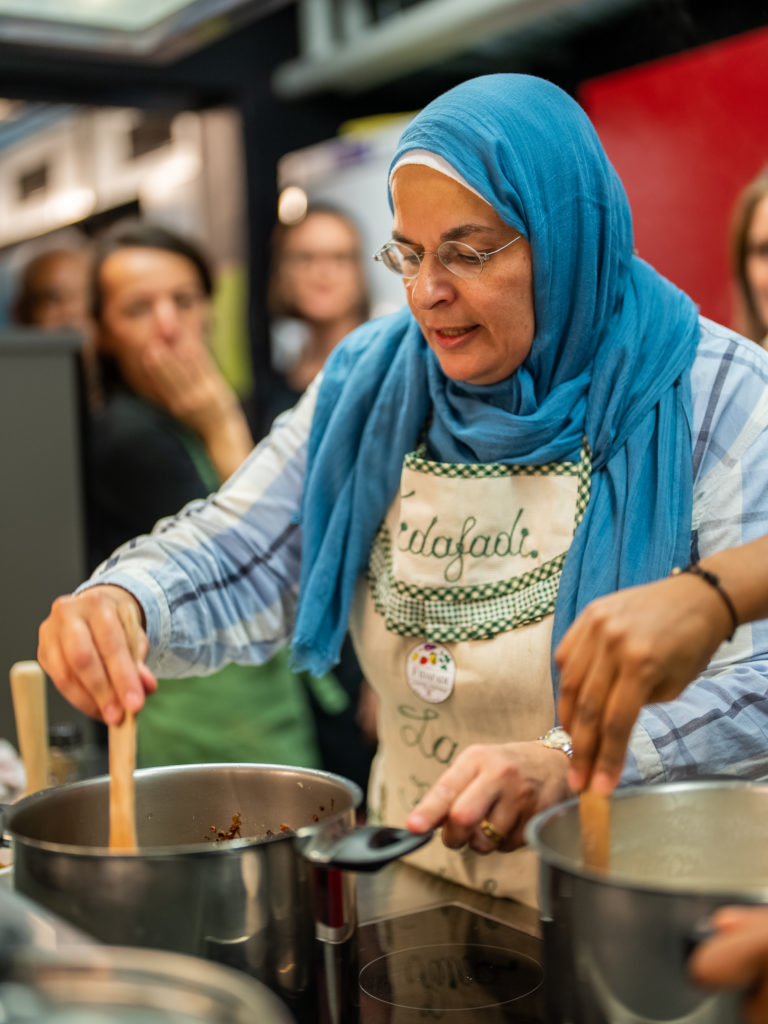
713,581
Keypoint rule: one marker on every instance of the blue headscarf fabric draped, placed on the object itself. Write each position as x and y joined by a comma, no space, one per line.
610,359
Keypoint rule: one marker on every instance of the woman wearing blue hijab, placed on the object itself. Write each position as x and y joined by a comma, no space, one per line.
548,420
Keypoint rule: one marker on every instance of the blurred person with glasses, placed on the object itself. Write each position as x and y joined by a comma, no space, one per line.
749,258
546,421
317,294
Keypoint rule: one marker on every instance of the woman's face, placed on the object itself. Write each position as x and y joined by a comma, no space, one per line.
480,329
321,274
756,264
149,297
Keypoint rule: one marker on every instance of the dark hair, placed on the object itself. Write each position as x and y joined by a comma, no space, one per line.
276,303
144,235
744,210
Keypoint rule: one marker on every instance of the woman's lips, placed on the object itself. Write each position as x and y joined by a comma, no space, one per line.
450,337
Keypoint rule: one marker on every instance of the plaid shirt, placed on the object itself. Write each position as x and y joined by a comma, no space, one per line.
219,581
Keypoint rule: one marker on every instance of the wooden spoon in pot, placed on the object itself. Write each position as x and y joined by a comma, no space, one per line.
122,793
122,764
595,825
30,710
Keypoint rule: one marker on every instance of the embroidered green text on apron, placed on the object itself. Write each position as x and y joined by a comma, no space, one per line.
453,630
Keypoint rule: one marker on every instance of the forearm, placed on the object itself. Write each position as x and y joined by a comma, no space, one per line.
743,574
228,440
218,582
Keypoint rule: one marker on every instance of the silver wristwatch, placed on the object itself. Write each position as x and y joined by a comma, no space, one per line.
558,739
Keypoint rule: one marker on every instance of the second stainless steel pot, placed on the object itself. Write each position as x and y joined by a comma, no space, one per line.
616,945
253,902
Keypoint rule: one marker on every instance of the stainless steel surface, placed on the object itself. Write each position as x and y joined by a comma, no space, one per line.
617,944
249,902
94,984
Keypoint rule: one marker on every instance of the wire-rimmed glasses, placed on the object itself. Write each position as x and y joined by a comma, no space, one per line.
458,257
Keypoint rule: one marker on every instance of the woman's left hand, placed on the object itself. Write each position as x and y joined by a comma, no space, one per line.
490,792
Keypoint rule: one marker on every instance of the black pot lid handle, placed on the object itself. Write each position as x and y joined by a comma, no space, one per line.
364,848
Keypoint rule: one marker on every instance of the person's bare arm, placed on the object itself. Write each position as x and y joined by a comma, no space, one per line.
189,385
646,644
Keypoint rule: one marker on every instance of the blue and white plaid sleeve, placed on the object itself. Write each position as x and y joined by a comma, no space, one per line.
218,582
719,724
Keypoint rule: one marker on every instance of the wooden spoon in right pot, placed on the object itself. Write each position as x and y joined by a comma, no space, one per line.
595,826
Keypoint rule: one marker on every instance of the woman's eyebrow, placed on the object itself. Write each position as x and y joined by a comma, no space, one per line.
452,234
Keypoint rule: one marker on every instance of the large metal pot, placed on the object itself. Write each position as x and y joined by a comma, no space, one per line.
616,945
254,902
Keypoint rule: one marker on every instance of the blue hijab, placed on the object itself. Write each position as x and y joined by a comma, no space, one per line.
610,359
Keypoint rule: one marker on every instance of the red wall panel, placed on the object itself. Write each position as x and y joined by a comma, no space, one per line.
686,133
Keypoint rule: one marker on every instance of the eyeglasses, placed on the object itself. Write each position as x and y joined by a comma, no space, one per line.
458,257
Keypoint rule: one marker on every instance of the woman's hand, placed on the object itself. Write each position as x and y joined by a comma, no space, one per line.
497,786
631,648
93,647
737,957
187,383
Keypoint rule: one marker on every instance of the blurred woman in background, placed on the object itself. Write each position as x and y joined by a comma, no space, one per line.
317,294
170,430
53,291
749,258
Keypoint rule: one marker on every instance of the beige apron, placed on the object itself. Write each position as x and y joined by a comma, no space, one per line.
453,630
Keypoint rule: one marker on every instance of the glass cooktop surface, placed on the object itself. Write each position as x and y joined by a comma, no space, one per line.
446,963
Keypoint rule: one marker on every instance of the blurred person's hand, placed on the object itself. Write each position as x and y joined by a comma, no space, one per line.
188,384
737,957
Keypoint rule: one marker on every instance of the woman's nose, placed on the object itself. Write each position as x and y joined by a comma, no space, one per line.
434,283
166,317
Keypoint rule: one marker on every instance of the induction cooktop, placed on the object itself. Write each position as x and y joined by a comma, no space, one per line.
447,963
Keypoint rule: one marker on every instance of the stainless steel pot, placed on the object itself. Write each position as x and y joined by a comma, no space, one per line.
96,984
616,945
254,902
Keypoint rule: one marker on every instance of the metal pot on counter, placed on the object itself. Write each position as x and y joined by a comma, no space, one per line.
224,866
616,945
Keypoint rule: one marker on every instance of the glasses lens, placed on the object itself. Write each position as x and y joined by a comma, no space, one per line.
461,259
400,259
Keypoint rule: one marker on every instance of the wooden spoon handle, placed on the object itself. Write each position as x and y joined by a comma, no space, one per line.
31,714
595,824
122,796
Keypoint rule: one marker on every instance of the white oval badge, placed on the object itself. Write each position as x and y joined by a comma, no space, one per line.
431,672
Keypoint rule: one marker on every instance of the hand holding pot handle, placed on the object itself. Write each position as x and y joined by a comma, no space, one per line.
489,793
93,647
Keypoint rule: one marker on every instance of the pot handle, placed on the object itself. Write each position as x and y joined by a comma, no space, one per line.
364,848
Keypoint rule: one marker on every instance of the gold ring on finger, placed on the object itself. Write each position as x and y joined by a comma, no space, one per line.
490,832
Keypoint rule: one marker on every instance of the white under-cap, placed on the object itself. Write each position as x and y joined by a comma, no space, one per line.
437,163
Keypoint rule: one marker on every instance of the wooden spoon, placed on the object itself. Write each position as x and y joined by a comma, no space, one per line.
31,713
595,825
122,764
122,793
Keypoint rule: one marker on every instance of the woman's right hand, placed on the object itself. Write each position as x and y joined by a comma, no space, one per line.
93,647
636,646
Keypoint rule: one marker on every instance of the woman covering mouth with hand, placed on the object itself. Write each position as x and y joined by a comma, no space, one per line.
541,375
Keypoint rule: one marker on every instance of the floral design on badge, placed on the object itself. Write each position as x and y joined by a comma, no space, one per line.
431,672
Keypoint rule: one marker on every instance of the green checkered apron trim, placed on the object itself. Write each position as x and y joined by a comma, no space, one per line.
494,581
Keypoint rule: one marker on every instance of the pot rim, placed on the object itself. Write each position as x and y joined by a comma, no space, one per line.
205,847
675,886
